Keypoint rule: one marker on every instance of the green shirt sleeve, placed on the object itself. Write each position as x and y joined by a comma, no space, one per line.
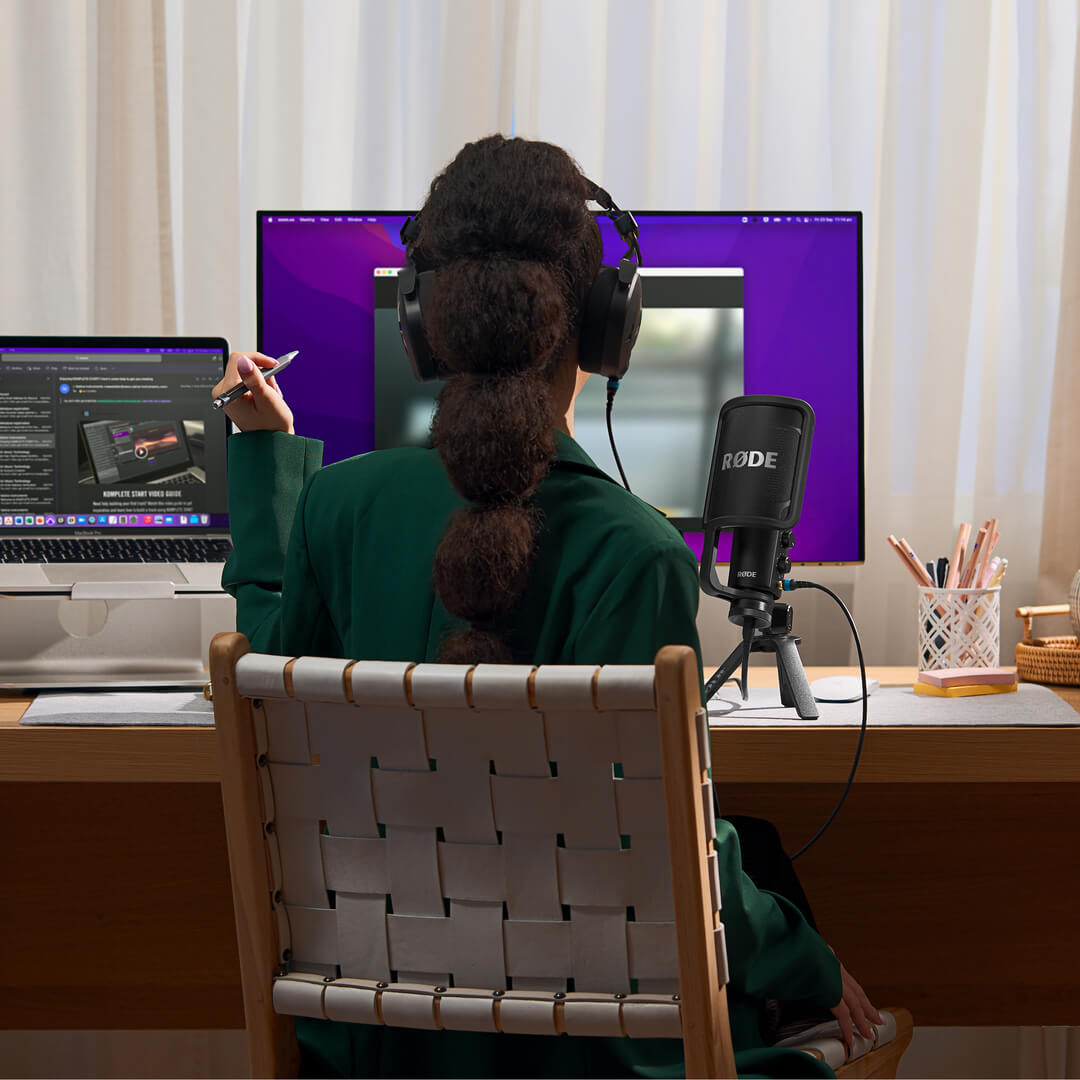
279,606
772,950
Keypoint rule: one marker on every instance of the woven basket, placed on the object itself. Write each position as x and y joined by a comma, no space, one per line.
1051,659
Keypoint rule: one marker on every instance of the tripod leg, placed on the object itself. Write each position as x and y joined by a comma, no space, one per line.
794,689
724,672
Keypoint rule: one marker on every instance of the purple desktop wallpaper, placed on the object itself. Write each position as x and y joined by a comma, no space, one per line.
801,332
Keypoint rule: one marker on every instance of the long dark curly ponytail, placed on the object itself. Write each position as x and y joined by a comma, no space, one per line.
505,226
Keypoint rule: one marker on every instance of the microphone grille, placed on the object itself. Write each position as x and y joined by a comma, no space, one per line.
759,463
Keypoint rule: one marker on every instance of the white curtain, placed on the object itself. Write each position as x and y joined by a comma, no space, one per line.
141,137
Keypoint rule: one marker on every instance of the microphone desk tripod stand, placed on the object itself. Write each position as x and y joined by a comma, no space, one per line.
778,639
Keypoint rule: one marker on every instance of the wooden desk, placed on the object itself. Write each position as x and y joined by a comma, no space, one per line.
115,875
947,883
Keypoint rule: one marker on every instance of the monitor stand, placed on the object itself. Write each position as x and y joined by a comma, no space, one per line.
779,640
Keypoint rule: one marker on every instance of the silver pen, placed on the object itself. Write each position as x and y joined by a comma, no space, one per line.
240,389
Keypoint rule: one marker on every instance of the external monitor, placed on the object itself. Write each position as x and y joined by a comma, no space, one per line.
733,303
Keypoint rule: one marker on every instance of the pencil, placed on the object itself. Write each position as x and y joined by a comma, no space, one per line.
958,555
972,563
895,545
988,549
913,560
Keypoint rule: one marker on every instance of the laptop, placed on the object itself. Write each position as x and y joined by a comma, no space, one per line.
112,467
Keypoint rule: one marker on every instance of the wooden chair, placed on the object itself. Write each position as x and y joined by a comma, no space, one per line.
513,815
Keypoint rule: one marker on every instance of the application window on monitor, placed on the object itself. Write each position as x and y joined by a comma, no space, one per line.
687,362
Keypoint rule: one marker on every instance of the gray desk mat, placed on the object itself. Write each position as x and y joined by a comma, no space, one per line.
899,706
153,708
1030,706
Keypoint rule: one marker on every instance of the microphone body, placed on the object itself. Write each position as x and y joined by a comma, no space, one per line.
756,484
754,555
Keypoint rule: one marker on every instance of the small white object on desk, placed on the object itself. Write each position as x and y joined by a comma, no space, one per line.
841,688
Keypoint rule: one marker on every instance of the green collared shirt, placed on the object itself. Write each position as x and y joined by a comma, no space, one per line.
337,561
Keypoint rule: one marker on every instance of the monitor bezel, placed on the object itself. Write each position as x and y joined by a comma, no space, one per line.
639,214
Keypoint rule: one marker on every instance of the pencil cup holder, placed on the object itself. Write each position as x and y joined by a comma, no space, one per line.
959,628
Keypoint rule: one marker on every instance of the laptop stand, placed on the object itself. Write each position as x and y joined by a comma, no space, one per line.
49,642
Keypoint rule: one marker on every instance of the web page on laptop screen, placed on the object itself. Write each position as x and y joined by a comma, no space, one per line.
110,438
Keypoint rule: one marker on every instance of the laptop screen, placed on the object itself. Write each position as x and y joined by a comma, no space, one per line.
109,435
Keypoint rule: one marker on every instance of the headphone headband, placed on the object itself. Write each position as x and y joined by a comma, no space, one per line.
624,222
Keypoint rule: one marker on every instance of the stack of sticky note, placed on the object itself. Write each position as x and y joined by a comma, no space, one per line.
965,682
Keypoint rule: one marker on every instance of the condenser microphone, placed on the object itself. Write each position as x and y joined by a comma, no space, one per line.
756,485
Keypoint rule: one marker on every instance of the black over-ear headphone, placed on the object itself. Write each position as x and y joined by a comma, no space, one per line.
611,315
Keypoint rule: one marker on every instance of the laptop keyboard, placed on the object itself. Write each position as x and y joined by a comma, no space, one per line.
114,549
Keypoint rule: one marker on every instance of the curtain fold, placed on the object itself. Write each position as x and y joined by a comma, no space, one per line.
1059,557
47,79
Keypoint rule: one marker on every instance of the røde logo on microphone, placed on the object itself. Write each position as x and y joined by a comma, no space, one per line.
749,459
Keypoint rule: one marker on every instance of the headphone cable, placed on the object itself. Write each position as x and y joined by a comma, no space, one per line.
612,387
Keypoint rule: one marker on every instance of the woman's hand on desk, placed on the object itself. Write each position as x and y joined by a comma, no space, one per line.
262,408
855,1010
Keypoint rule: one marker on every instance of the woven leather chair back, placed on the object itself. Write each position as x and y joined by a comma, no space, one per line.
476,848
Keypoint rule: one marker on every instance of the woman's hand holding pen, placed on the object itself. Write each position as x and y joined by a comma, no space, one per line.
262,408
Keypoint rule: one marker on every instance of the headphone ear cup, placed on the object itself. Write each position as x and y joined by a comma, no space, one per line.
610,322
411,287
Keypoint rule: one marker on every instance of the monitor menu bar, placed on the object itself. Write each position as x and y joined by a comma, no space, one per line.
760,218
